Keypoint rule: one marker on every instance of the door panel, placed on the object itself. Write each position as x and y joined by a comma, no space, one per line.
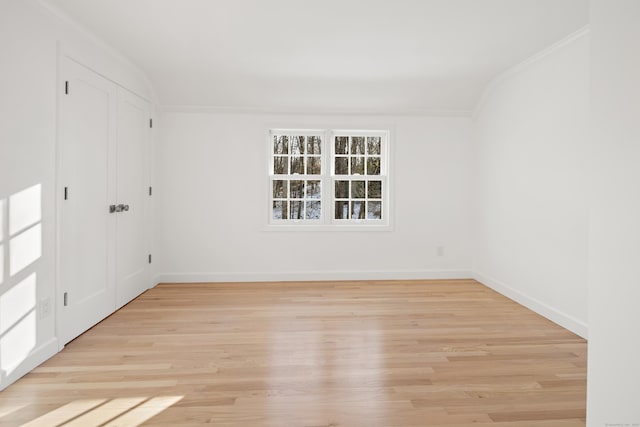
132,264
87,230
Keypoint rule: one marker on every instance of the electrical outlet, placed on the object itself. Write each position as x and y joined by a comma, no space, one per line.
440,251
45,308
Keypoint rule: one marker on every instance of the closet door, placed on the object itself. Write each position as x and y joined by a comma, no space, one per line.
87,155
132,249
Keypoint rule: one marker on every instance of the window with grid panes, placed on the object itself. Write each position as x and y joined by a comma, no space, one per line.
328,177
296,178
358,178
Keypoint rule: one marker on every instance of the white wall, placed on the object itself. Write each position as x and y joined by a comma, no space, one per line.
530,195
29,35
212,204
614,243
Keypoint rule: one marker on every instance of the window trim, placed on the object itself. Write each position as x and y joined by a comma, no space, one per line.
327,221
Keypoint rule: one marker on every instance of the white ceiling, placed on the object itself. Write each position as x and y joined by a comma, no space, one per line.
327,55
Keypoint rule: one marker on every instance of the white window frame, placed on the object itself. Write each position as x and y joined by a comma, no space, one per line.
383,176
328,178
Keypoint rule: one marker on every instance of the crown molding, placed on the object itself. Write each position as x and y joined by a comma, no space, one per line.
64,17
518,68
198,109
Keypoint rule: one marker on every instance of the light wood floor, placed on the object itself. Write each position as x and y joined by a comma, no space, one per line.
418,353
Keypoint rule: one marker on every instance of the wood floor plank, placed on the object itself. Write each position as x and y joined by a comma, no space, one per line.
357,353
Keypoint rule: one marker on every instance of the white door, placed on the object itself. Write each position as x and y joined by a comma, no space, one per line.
132,251
87,155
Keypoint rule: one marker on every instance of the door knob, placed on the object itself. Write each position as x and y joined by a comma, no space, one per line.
118,208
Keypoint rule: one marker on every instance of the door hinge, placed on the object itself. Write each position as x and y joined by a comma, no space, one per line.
151,123
65,299
66,193
149,258
150,191
66,87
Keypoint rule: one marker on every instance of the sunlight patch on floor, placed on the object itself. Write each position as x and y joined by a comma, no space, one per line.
65,413
120,412
144,412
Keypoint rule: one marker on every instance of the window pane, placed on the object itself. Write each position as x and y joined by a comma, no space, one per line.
357,145
375,190
342,210
296,189
313,165
313,210
279,189
374,210
280,144
280,210
373,165
342,189
357,165
296,210
373,144
342,166
313,190
357,209
297,145
342,145
297,164
314,145
280,165
357,189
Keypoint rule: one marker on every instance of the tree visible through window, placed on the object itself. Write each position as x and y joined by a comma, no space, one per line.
328,177
357,180
296,184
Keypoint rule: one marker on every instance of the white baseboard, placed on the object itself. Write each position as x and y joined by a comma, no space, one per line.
312,276
566,321
35,358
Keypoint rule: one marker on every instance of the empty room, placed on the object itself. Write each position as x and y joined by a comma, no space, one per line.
319,213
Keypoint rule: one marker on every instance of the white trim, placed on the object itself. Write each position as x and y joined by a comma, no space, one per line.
57,287
55,11
359,226
518,68
567,321
200,109
35,358
304,276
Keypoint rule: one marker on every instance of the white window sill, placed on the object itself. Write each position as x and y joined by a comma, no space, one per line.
329,227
